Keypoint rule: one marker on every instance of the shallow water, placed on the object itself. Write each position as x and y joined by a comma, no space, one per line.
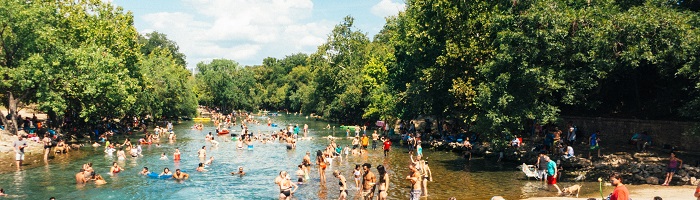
453,176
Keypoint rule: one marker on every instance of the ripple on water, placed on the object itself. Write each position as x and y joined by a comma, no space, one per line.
453,176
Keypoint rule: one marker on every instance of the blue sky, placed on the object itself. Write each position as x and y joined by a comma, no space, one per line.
249,30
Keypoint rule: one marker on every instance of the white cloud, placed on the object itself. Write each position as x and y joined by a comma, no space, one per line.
241,29
387,8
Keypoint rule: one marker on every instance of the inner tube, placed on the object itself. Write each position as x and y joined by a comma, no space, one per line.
158,176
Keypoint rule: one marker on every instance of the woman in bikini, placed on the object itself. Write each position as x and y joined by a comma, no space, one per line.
285,185
47,146
127,144
321,166
115,168
383,183
341,185
358,174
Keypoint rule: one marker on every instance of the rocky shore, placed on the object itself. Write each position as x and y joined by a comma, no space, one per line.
636,168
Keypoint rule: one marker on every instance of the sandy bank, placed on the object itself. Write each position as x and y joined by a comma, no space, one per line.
643,192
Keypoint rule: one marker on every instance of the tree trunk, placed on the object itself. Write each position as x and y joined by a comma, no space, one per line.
11,124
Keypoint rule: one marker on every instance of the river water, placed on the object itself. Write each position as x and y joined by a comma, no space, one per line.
453,176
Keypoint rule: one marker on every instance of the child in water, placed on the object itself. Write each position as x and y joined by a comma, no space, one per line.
163,157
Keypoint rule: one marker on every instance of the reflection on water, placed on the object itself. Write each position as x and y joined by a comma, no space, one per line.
453,176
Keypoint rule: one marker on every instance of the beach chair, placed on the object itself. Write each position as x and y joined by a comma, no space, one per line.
530,171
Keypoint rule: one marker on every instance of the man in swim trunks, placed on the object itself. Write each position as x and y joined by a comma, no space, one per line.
375,137
368,182
178,175
415,180
80,177
19,146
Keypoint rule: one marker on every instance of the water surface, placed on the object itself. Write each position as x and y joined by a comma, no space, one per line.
453,176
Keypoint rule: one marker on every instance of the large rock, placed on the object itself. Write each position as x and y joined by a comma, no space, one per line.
685,180
652,180
576,163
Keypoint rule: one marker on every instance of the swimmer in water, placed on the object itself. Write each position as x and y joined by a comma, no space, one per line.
163,157
201,167
98,179
211,160
178,175
115,168
166,171
239,172
144,171
120,154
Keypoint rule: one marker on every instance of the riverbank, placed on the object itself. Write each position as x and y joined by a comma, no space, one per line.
639,192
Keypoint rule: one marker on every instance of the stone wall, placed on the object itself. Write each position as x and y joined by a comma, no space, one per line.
619,131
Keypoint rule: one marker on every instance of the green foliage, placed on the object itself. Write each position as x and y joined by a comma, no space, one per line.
81,59
151,41
168,86
223,83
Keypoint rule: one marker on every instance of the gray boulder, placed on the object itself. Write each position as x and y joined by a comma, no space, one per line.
652,180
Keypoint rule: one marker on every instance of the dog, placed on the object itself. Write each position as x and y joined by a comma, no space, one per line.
75,146
570,191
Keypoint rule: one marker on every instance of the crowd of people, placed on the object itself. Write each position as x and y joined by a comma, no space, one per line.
370,182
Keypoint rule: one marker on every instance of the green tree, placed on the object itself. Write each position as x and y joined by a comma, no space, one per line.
150,41
73,58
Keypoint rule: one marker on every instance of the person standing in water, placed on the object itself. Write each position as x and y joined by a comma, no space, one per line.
285,186
368,182
202,153
19,146
176,155
357,173
552,174
301,173
47,146
321,162
414,178
306,130
427,176
375,138
383,183
307,162
342,185
387,146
